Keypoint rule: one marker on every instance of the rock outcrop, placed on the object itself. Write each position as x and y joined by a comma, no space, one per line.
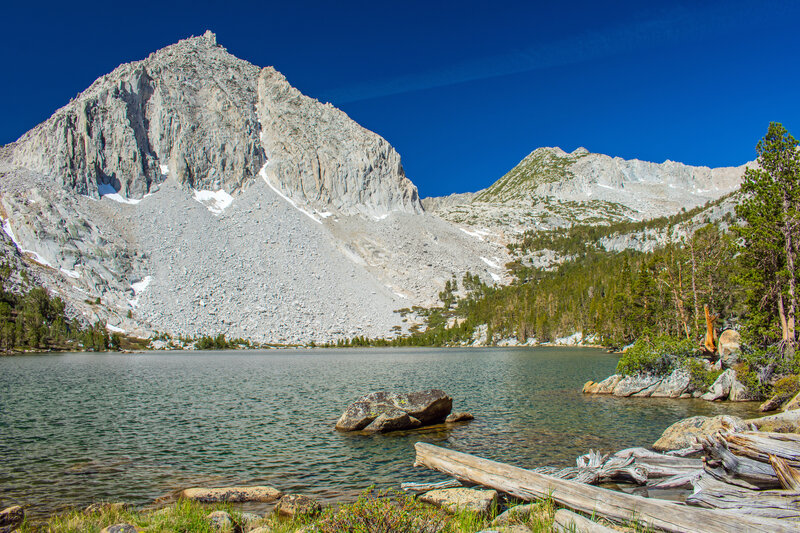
728,348
675,385
684,434
386,411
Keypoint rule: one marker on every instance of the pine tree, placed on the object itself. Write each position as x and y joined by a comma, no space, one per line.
771,234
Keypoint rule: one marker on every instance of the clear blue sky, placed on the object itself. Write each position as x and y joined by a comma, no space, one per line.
463,90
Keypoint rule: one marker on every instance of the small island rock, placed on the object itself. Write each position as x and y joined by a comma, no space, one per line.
232,494
295,505
426,407
461,499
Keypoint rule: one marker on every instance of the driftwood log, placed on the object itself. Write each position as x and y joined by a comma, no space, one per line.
713,494
425,487
616,506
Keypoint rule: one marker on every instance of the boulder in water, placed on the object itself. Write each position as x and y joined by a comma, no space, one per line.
422,408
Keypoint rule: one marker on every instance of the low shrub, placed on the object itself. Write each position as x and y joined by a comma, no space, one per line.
787,386
382,512
700,377
658,355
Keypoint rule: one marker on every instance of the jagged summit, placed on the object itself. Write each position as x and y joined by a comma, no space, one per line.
196,113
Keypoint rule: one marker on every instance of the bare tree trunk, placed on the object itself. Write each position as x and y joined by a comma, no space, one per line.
784,325
694,286
791,268
709,345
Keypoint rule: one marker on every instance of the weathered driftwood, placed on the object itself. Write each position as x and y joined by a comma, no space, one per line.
594,468
568,522
713,494
658,465
617,506
425,487
759,446
788,476
737,467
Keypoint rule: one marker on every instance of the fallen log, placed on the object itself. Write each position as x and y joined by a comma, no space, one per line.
569,522
759,447
774,504
612,505
756,473
425,487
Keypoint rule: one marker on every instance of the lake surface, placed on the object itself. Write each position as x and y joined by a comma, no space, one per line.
78,428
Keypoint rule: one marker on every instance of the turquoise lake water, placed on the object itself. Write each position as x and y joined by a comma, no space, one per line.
78,428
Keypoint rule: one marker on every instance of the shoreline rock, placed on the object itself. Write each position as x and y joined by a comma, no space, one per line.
684,433
262,494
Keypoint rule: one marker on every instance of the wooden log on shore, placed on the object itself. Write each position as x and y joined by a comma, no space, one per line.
569,522
612,505
713,494
738,467
425,487
759,446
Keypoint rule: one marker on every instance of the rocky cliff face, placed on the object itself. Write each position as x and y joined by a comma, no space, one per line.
551,188
194,193
305,142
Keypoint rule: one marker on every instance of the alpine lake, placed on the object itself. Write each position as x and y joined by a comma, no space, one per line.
85,427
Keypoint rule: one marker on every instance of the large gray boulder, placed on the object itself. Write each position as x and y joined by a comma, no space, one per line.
728,347
721,388
674,385
461,499
420,408
684,433
631,385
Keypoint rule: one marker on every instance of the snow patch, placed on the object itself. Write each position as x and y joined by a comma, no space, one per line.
573,340
381,217
140,286
603,185
263,174
495,277
164,169
216,202
472,234
71,273
114,329
108,191
491,263
35,256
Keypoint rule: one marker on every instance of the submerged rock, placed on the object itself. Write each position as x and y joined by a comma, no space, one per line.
232,494
684,433
461,499
459,417
295,505
403,411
